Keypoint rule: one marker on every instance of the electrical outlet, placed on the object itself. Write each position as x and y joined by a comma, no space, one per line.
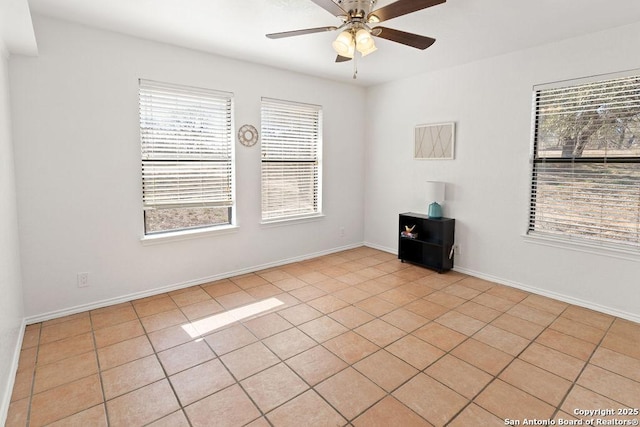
456,250
83,280
341,231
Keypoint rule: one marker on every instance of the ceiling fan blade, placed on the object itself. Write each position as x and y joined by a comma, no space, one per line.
409,39
300,32
341,58
331,7
399,8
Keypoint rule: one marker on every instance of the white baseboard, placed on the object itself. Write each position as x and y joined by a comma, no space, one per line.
560,297
4,404
543,292
174,287
381,248
13,370
111,301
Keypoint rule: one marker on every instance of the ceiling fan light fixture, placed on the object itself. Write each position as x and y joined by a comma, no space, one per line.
363,39
367,51
344,44
373,19
364,42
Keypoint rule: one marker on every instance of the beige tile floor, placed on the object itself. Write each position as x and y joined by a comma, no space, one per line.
354,338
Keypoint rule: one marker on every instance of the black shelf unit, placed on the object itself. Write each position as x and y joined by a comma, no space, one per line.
433,243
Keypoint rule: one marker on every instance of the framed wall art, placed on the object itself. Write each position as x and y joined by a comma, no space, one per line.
435,141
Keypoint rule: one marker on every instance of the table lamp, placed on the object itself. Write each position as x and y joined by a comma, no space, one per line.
435,195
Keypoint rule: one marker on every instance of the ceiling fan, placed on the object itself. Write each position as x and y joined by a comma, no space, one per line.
357,16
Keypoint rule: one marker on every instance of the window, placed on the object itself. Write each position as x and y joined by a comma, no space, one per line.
291,157
586,162
187,157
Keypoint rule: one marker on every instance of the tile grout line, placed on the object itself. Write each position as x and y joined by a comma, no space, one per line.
557,407
495,377
236,380
33,379
182,407
349,365
283,361
164,371
312,388
419,371
574,382
376,294
95,349
145,334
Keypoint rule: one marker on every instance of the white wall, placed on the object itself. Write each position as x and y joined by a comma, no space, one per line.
11,306
74,111
76,131
488,182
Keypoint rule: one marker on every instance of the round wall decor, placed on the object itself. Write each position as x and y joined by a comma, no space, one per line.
247,135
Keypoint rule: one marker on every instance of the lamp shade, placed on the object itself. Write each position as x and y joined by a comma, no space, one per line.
344,44
363,39
435,191
364,42
367,51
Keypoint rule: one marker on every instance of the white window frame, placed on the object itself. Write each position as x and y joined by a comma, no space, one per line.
198,170
291,157
594,213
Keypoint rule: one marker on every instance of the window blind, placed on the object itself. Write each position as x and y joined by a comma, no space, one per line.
186,142
586,162
291,140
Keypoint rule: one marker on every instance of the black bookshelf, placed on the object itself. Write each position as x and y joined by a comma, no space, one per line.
430,244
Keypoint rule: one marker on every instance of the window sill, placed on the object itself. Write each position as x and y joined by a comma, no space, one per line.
174,236
291,220
596,248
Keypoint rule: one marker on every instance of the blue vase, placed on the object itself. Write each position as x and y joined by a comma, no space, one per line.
435,211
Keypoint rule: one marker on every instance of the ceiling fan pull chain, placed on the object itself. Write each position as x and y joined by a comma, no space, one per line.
355,65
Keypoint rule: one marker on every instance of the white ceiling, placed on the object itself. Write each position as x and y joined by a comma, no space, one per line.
465,30
16,29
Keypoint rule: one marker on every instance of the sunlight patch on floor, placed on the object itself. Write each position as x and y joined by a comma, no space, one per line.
217,321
